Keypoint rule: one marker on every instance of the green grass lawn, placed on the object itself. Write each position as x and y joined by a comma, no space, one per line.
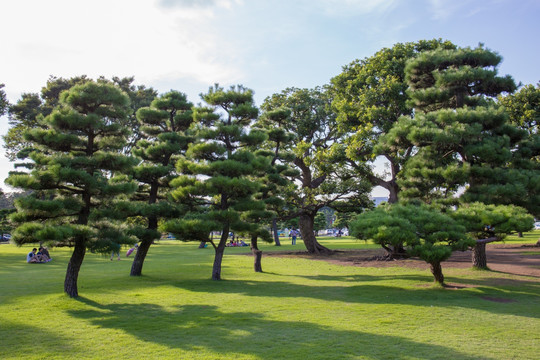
297,309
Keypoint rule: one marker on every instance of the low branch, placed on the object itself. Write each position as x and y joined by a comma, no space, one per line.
487,240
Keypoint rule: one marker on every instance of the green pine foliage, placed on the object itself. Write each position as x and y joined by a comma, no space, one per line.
370,95
76,175
220,172
164,132
420,230
484,221
461,138
4,103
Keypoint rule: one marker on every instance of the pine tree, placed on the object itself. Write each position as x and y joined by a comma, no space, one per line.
220,171
370,96
76,151
489,223
276,181
163,131
421,230
28,112
461,137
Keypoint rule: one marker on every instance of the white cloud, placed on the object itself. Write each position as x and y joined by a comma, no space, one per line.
102,37
155,44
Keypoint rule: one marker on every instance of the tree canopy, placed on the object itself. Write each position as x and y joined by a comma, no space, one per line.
75,151
370,96
31,108
163,138
4,103
421,230
462,139
322,176
219,172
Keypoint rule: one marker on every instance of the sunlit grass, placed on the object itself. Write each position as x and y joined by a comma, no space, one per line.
297,309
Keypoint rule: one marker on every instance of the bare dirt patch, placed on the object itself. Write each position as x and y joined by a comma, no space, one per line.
505,258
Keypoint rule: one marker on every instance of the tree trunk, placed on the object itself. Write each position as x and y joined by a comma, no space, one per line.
142,250
436,270
520,234
308,236
394,190
140,255
479,258
218,258
74,265
395,252
257,254
275,230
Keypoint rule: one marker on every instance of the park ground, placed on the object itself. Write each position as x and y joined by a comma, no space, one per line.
344,306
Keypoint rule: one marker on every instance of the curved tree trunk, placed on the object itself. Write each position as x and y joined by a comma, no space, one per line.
394,190
74,265
308,236
75,262
257,254
479,258
140,255
142,250
275,230
218,257
436,270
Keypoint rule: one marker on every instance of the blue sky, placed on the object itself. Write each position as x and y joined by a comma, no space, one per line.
188,45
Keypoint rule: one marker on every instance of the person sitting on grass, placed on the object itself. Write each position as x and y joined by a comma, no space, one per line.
42,255
32,257
45,252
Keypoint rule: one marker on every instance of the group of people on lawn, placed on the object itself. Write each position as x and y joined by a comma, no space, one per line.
41,256
237,243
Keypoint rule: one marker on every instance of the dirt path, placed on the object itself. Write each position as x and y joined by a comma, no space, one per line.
506,258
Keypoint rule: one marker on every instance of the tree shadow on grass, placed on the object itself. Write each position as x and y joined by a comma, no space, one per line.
376,294
193,328
22,341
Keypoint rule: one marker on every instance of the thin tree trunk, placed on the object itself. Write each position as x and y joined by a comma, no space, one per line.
75,262
140,255
308,236
275,230
219,250
257,254
436,270
142,250
74,265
